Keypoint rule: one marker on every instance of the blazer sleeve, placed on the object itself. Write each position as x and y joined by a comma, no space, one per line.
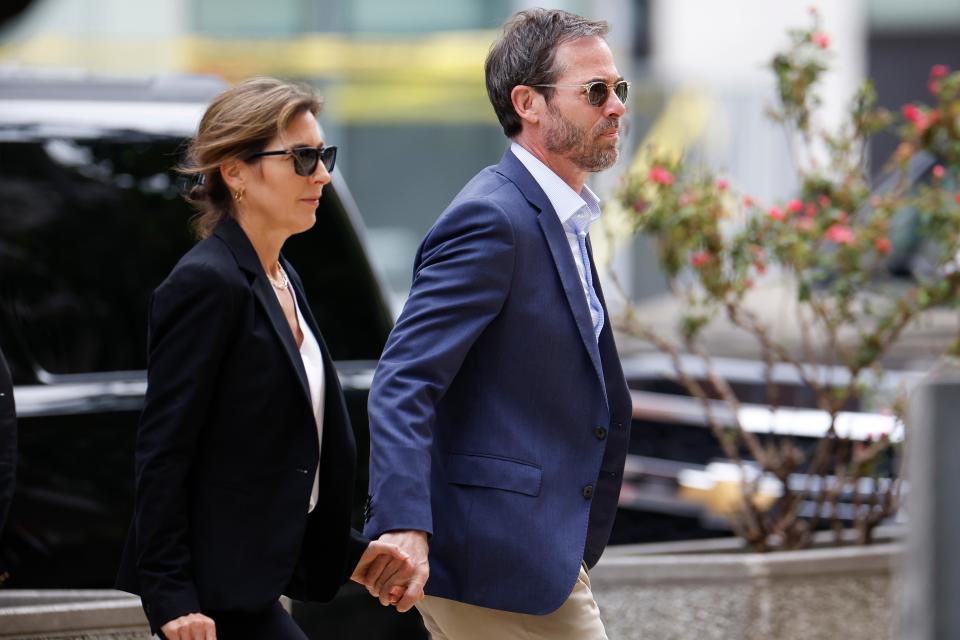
462,277
189,327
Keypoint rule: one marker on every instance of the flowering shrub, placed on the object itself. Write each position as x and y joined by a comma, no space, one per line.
831,244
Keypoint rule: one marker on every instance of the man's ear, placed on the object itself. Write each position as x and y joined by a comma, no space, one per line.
232,173
528,103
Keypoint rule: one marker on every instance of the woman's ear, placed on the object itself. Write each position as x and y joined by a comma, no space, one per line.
233,174
528,103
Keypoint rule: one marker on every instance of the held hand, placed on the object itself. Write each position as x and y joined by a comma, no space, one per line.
398,590
194,626
381,562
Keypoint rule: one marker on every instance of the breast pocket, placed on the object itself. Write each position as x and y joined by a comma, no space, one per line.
481,470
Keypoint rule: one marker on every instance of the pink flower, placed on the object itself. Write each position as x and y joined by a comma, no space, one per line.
760,267
820,39
911,113
957,198
841,234
776,213
660,175
823,201
722,184
747,283
748,201
810,210
918,118
700,259
938,171
933,87
640,205
939,70
882,245
842,217
794,206
805,224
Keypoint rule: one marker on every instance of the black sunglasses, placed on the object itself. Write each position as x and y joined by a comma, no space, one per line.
597,91
305,159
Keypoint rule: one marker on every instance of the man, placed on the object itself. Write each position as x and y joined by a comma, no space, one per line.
499,414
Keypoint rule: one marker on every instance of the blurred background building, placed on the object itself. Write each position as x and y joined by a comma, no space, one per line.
404,86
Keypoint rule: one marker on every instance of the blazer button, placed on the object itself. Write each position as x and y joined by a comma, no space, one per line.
302,470
600,432
588,491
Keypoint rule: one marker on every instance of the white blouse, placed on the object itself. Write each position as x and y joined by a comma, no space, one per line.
313,364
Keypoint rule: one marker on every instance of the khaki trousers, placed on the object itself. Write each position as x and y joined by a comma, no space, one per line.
578,618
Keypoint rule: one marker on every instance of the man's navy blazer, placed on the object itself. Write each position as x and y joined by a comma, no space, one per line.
499,422
227,447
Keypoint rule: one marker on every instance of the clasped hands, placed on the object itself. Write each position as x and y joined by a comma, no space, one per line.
395,569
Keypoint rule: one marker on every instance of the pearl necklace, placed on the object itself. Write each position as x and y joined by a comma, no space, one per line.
282,283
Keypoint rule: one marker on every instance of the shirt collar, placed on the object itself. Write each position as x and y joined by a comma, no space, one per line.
564,199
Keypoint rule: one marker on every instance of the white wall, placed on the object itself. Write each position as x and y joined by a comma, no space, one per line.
723,50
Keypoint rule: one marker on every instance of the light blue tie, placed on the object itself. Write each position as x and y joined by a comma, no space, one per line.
579,223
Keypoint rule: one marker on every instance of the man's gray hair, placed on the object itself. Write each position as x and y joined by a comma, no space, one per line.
526,54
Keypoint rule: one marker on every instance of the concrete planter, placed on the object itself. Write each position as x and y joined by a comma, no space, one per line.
71,615
712,590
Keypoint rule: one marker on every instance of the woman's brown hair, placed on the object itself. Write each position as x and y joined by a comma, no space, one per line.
239,122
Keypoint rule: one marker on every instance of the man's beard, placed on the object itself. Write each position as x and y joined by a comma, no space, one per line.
565,138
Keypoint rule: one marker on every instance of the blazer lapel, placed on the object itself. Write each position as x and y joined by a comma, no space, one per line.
235,238
512,169
334,407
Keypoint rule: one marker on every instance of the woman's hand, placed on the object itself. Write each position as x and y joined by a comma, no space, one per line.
405,591
193,626
380,563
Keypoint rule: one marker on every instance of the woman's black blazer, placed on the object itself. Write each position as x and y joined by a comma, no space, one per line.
227,447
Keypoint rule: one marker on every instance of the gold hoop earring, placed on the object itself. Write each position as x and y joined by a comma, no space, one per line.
238,196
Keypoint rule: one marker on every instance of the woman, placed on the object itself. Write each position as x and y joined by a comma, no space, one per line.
245,457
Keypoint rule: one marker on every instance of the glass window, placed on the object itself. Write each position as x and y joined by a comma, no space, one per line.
90,227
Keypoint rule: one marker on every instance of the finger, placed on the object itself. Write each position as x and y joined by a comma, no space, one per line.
411,597
171,630
395,594
389,590
374,575
198,629
211,630
389,575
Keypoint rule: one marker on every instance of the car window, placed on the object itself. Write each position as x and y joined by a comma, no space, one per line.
90,226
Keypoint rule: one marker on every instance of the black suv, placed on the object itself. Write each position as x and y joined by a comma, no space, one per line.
90,224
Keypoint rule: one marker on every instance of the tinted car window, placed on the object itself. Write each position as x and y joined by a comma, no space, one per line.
90,227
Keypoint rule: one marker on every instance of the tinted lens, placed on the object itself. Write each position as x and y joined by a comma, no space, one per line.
305,160
329,157
596,93
621,89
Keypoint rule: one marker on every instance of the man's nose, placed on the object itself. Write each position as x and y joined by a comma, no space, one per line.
613,108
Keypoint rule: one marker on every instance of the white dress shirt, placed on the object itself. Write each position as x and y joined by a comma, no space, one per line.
313,364
566,202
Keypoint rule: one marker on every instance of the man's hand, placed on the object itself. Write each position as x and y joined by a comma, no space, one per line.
381,562
193,626
405,592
